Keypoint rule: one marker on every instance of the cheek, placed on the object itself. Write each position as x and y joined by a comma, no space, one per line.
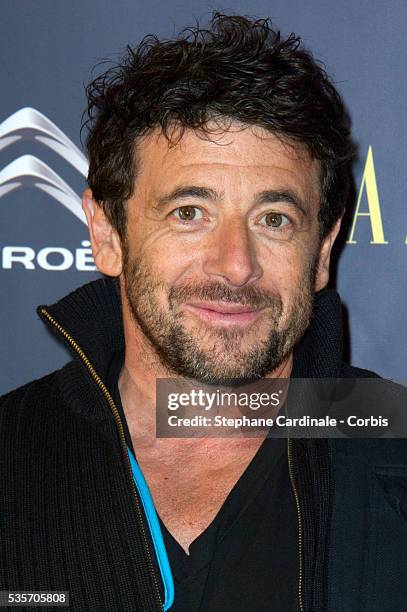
286,266
168,259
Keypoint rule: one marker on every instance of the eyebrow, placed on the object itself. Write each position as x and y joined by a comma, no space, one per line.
269,196
189,191
272,196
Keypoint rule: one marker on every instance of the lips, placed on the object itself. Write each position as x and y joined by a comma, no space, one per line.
224,312
223,307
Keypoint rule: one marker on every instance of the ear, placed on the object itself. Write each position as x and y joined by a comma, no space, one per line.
106,245
324,257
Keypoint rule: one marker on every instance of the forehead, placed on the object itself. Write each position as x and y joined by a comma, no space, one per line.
249,156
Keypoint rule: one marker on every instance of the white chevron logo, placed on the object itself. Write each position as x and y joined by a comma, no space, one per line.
30,124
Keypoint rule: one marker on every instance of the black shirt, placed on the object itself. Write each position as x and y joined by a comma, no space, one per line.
248,557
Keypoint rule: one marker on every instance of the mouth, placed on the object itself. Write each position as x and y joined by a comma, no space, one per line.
224,313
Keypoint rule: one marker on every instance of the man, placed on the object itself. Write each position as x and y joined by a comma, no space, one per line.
219,173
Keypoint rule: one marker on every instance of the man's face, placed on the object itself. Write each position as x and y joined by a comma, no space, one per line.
221,251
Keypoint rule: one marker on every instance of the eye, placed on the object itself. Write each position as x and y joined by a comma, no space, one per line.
275,220
187,213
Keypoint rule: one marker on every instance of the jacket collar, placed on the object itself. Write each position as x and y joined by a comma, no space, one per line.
92,316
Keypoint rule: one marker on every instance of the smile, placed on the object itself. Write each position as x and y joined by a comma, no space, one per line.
224,313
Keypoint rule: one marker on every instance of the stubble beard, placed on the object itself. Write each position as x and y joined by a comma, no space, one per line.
209,354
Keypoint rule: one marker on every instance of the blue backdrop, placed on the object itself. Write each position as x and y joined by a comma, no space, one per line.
48,49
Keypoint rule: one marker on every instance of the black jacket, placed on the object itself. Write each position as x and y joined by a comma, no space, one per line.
71,519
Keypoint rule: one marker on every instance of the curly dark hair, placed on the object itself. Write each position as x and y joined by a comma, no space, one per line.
239,70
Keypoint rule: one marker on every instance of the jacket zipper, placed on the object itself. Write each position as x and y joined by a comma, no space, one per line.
96,378
299,522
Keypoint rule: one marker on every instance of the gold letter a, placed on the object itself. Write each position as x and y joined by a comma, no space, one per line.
369,181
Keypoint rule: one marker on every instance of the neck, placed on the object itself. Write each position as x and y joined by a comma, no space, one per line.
137,383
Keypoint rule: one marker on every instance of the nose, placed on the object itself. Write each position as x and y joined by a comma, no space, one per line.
230,254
